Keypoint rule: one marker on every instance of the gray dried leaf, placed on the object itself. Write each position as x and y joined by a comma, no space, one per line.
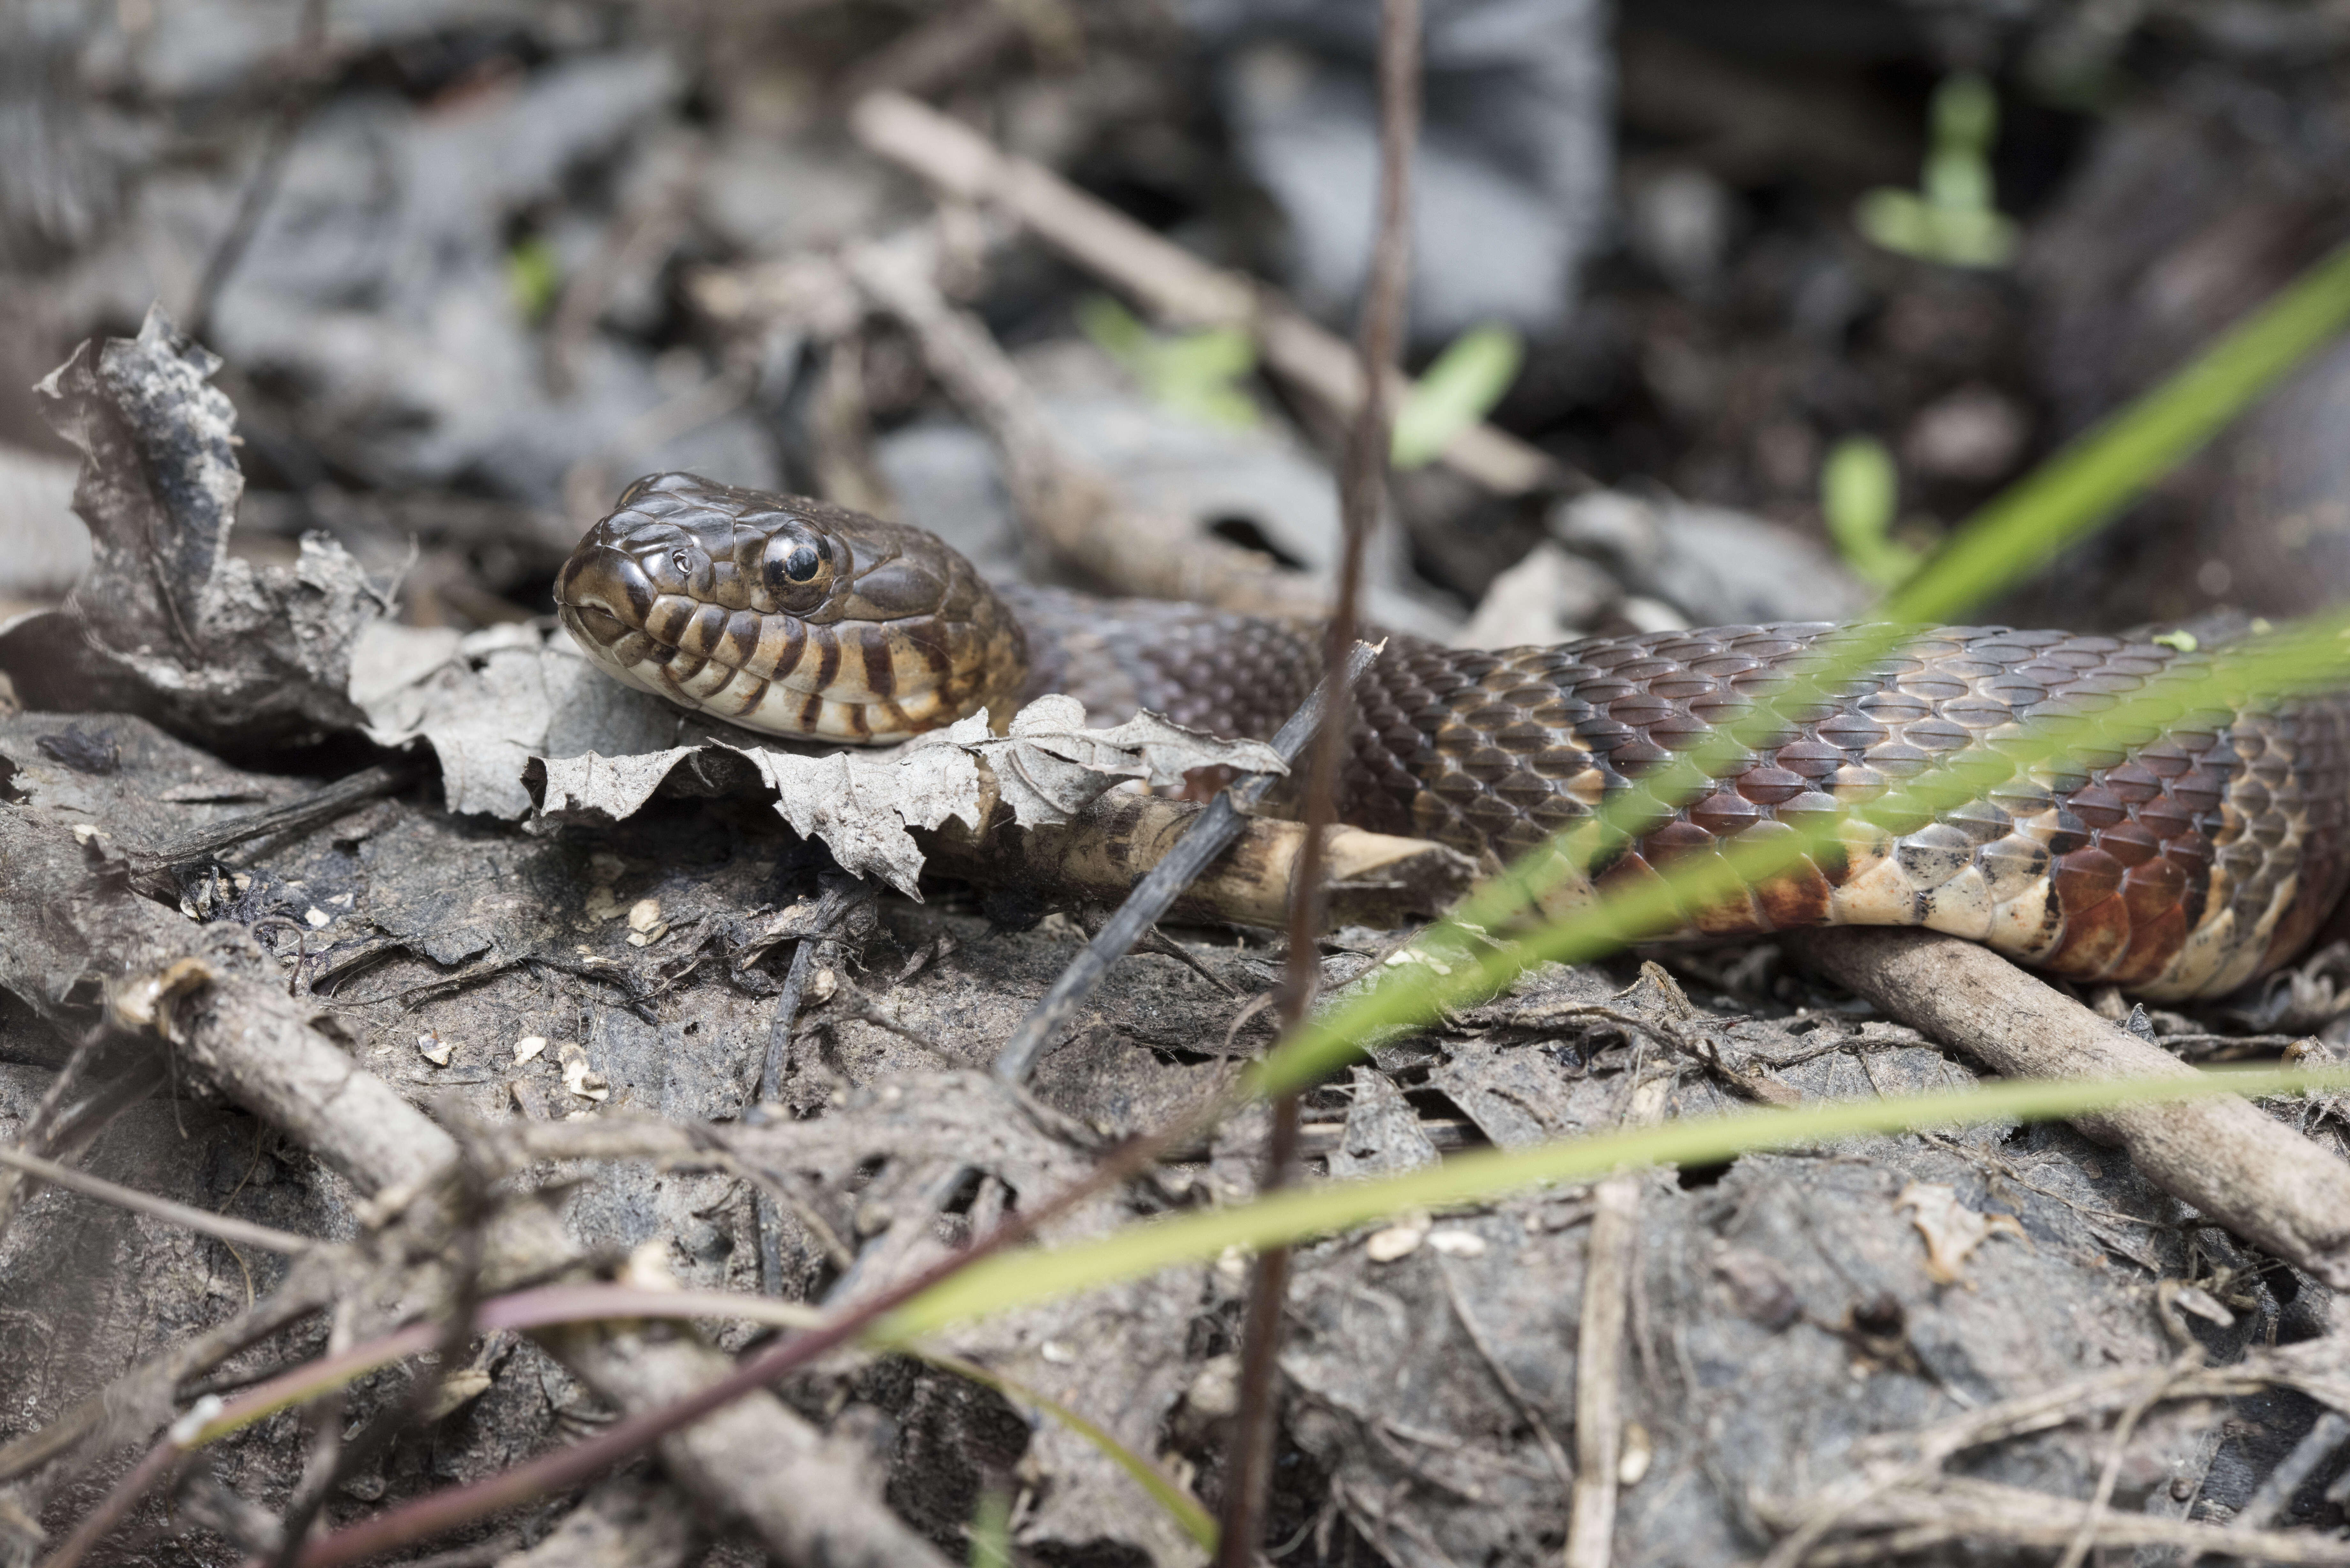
1049,765
861,802
493,703
166,614
487,702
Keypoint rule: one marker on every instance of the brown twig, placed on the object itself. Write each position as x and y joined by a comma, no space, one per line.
830,908
1074,513
1169,280
151,870
1610,1261
56,1127
2117,1446
467,1194
1374,879
2243,1169
1360,489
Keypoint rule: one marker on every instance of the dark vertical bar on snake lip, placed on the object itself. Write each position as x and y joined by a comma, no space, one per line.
1209,836
1249,1464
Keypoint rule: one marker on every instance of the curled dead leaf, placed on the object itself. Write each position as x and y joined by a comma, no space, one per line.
1951,1229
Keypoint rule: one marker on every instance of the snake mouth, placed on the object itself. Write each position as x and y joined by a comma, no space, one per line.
770,671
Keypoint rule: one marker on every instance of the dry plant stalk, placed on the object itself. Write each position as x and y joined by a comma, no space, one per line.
1361,484
1612,1256
259,1047
1375,879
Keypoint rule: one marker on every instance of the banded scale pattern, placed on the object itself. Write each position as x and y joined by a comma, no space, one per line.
2183,866
2177,864
685,591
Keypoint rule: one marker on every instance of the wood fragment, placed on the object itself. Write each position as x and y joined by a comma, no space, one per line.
1375,880
153,870
2262,1179
1609,1262
1171,282
1206,834
805,1494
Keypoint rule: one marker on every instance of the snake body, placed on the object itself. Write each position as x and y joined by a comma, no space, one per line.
2183,866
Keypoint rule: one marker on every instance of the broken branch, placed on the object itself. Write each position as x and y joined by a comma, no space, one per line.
2260,1178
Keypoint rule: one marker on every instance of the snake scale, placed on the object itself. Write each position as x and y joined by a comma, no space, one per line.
2181,866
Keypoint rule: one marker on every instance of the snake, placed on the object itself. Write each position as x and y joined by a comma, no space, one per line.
2184,865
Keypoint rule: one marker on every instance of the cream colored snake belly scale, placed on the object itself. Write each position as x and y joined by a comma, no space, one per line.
2183,866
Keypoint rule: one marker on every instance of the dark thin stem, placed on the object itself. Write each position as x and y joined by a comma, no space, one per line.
151,869
829,912
1209,835
1361,485
201,1220
301,95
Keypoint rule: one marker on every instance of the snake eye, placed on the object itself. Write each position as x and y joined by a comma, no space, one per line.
796,567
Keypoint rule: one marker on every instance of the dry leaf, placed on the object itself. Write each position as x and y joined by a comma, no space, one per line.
494,703
1951,1229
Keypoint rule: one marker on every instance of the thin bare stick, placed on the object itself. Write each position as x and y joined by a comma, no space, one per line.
151,869
829,908
1361,487
2077,1551
1209,835
1074,512
1107,847
1169,281
218,1226
438,1512
1613,1254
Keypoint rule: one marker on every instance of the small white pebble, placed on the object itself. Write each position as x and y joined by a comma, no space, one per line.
644,914
822,984
1457,1243
587,1084
319,919
190,1426
433,1049
1059,1354
1640,1452
1399,1240
528,1047
83,832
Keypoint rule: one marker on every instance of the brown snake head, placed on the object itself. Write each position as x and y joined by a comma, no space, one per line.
788,616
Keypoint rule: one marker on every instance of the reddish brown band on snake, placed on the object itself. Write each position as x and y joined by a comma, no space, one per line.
2181,867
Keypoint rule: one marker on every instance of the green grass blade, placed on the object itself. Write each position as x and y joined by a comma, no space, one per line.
2066,497
2108,466
1021,1279
2305,658
1456,392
